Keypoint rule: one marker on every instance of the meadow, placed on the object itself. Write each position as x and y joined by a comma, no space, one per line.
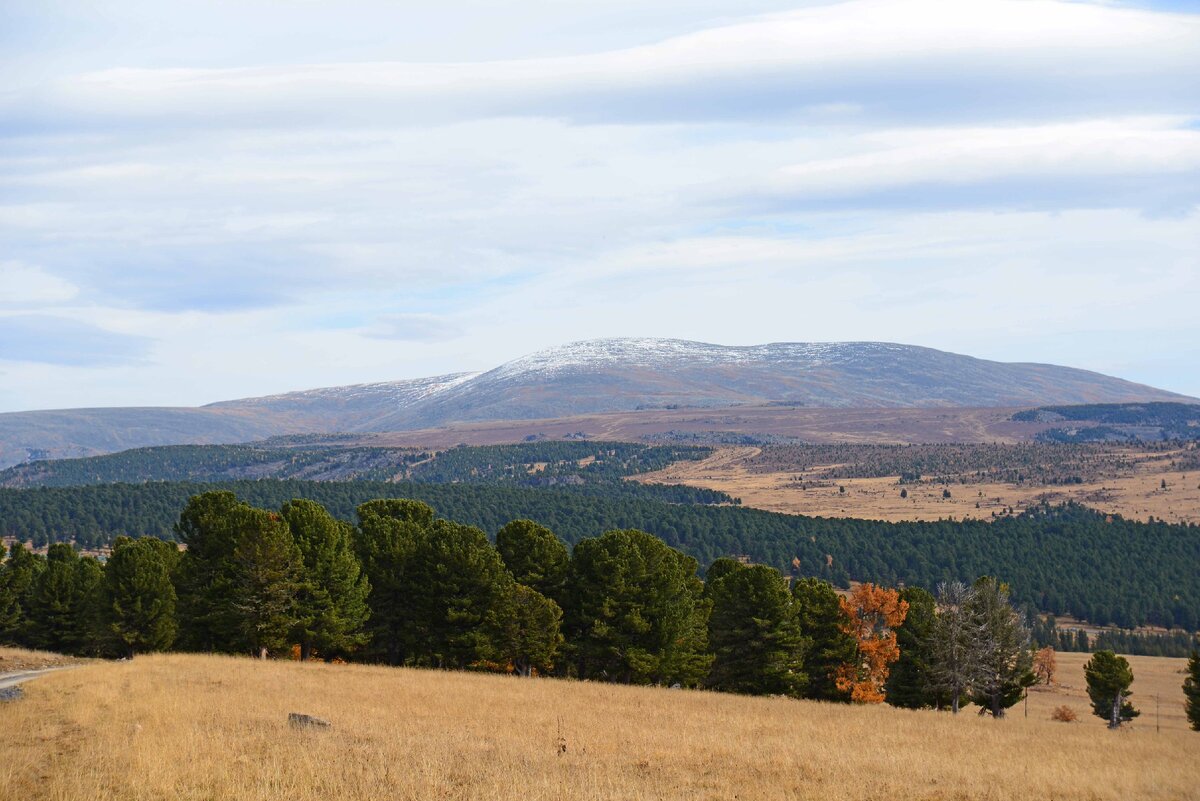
207,727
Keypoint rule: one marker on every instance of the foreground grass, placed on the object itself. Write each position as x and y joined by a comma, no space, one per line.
200,727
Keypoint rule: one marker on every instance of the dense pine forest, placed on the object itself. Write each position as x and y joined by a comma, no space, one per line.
1064,560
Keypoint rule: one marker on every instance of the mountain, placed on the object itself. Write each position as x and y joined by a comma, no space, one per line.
603,375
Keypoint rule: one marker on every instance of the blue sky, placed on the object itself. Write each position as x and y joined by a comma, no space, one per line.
208,200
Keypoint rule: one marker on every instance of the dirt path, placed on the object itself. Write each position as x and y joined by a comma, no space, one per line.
21,676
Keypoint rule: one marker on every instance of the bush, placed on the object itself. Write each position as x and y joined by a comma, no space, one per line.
1064,714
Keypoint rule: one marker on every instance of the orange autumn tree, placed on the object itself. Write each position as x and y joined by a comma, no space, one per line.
871,616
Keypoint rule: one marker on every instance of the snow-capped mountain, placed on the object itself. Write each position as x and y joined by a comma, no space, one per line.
601,375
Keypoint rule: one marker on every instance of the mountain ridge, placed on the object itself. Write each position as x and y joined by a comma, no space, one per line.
587,377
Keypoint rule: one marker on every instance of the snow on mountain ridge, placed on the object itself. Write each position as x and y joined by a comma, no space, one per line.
654,352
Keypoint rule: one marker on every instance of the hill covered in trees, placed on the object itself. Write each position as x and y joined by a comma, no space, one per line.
1099,422
1065,560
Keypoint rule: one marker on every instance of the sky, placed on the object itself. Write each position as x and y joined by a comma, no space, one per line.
203,200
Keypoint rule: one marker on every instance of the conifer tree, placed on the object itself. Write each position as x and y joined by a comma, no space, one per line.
137,599
1108,679
535,557
1191,690
909,683
530,631
822,623
208,528
387,538
955,643
1005,658
635,611
332,602
755,634
267,574
463,588
17,575
60,607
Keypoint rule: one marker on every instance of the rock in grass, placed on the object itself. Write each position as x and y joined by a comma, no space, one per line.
302,721
11,693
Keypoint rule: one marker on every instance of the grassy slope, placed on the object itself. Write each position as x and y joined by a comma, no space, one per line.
196,727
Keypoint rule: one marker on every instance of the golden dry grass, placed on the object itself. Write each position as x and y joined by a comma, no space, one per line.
196,727
1136,497
13,660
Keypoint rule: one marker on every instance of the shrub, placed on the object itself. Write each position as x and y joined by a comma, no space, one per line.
1064,714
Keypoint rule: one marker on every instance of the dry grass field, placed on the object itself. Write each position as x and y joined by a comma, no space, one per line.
214,728
17,659
1137,495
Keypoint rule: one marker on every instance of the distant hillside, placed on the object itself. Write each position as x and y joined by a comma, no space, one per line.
1106,422
607,375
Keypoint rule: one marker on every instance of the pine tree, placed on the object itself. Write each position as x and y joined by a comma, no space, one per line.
822,622
1191,690
955,644
754,633
535,557
1108,679
267,572
387,538
530,631
137,599
60,607
463,589
17,576
208,527
1005,658
909,684
635,611
332,602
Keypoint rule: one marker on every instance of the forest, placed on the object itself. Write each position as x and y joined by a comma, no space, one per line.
1064,560
402,586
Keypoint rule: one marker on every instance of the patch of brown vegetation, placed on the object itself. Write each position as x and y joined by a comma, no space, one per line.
1130,486
201,727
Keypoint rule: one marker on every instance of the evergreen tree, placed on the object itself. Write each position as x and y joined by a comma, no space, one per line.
635,611
267,572
209,529
530,631
464,587
17,575
332,602
754,634
1005,658
535,557
720,568
387,538
60,609
1191,690
821,621
1108,679
137,599
910,684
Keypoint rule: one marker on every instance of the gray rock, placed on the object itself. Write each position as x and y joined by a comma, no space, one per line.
301,721
11,693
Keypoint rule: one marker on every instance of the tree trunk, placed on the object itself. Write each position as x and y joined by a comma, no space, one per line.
1115,723
262,652
305,651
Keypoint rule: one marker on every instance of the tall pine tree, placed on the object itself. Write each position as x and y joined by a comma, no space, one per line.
822,622
535,557
137,598
755,635
1191,690
332,602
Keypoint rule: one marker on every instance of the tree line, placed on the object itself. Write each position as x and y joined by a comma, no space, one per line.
404,587
1099,568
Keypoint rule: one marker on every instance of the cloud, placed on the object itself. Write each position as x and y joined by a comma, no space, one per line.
28,285
898,59
48,339
414,328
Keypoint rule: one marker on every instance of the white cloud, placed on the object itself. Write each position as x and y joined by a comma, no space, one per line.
26,285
